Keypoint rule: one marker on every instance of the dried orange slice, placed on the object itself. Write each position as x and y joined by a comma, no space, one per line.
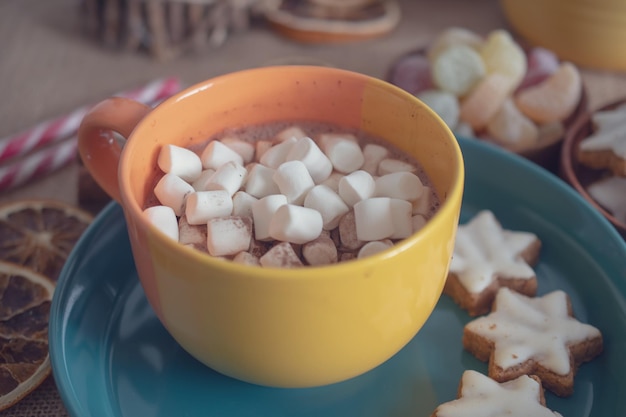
40,234
25,298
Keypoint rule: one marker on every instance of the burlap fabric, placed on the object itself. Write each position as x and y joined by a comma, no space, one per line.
43,402
48,69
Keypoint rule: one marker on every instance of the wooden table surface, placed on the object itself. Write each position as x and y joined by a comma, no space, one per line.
48,68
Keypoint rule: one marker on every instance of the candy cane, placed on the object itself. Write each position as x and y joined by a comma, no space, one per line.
60,128
47,159
37,164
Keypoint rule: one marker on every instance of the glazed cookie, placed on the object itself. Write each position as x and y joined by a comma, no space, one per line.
480,395
606,147
487,257
533,336
610,193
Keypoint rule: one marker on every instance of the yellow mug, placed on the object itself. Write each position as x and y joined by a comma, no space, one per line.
300,327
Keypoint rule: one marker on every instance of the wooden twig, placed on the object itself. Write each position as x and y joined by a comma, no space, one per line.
135,28
112,18
91,21
167,27
156,23
176,21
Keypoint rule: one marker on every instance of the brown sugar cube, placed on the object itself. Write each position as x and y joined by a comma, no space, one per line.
281,255
246,258
347,256
259,248
297,249
347,232
192,235
334,236
321,251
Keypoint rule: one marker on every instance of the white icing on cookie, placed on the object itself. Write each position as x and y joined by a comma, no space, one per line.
524,328
481,396
610,132
611,194
484,251
607,118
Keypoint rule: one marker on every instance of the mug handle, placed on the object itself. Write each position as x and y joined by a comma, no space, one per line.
98,147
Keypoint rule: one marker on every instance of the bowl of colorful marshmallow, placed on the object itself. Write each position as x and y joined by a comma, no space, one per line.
494,89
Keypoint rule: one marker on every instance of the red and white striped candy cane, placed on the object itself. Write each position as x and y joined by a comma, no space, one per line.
63,127
43,160
37,164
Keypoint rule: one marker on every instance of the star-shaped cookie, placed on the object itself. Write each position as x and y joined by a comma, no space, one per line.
606,147
480,395
533,336
610,193
487,257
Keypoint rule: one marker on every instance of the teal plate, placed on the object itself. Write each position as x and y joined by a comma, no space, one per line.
112,357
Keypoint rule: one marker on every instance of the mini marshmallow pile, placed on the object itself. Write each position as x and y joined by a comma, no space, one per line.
290,201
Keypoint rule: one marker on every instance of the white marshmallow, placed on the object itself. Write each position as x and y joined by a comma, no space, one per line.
260,182
295,224
228,177
321,251
402,218
172,191
343,151
423,204
290,132
374,219
325,138
262,212
389,165
333,181
246,258
243,148
242,204
355,187
193,235
217,154
464,130
228,235
281,255
201,183
294,181
328,203
205,205
307,151
418,221
164,219
402,185
179,161
373,154
370,248
277,154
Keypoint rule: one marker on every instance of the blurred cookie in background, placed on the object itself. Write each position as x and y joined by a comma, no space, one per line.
332,21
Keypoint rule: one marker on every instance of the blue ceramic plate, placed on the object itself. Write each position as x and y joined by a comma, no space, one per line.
111,356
